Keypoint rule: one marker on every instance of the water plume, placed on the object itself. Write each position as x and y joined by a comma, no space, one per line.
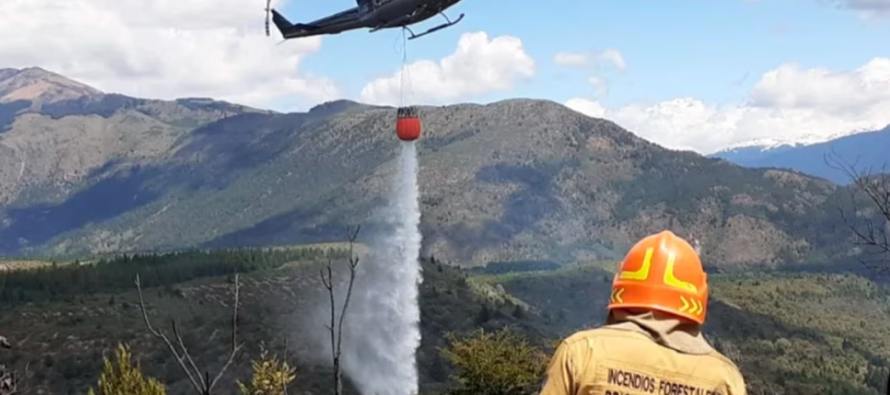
383,321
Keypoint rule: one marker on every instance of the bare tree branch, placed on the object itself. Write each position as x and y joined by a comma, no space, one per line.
284,359
336,327
871,227
235,346
185,351
10,382
162,336
201,382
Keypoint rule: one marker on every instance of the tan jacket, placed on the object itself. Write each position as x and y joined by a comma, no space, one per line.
641,354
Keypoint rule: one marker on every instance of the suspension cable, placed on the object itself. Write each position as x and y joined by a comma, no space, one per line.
404,69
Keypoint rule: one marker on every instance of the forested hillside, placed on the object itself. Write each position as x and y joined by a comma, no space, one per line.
804,333
85,172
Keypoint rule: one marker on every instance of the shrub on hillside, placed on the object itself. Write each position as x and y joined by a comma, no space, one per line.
271,376
127,378
499,363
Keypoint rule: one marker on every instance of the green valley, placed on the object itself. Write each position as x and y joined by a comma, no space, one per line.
803,333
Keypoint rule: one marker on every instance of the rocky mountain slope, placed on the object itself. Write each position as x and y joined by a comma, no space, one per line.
867,150
58,135
512,180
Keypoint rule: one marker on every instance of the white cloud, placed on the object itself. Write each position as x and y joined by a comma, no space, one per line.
478,66
596,82
868,8
591,108
598,62
600,86
161,48
786,103
614,57
609,56
571,59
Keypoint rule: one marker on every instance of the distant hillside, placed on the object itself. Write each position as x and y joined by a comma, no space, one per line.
512,180
37,86
746,154
792,334
58,136
803,333
866,150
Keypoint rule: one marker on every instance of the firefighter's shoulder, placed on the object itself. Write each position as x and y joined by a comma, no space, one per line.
734,374
726,360
588,336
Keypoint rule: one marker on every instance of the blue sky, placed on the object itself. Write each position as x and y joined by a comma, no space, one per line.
700,74
713,50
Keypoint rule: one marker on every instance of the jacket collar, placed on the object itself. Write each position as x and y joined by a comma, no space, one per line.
664,329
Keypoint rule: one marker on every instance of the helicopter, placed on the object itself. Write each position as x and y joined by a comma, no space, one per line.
371,14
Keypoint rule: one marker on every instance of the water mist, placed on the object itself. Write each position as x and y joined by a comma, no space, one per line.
383,319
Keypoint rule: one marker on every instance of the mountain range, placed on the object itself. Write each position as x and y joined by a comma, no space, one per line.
826,158
87,172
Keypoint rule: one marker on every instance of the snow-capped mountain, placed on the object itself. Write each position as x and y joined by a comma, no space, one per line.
752,151
807,153
764,146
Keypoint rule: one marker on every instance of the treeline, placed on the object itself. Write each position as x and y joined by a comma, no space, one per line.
62,282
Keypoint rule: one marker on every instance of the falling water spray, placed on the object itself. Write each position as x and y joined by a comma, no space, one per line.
383,321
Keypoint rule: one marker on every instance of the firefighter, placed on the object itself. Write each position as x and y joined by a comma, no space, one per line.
652,341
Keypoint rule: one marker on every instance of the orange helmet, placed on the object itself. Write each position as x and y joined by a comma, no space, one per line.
662,272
